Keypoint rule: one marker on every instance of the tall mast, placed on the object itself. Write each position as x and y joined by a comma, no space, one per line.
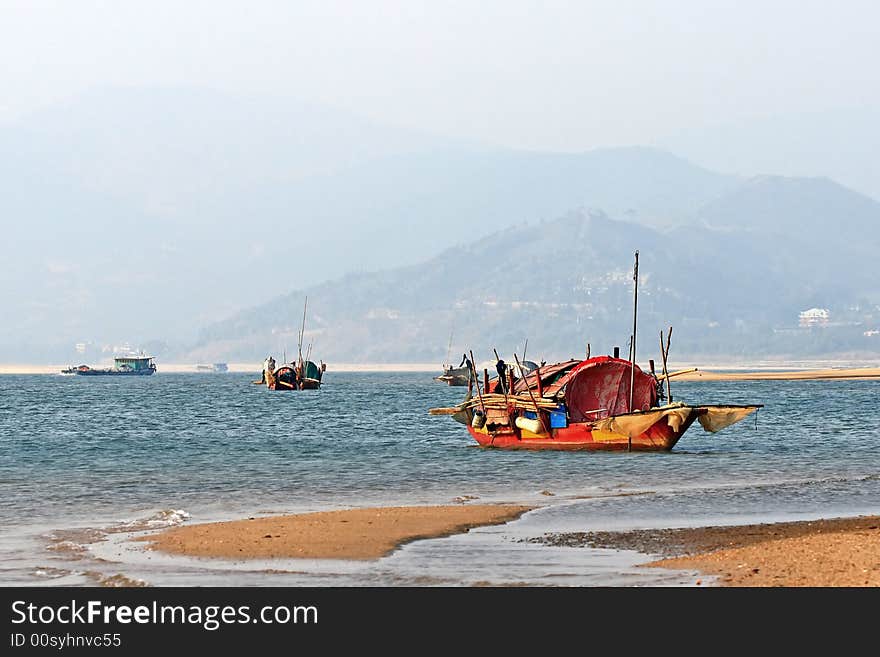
632,370
302,330
449,349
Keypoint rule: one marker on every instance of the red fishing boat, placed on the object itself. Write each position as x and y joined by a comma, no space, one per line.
586,405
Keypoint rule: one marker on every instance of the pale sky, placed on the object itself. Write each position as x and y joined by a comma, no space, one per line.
528,74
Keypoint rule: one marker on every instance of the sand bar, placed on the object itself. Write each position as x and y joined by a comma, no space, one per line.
348,534
839,552
794,375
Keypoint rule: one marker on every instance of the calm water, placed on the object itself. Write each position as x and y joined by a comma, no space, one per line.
138,453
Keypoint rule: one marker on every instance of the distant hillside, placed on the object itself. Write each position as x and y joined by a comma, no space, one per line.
138,214
566,282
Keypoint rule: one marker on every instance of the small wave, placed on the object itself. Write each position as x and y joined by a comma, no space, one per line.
116,581
48,572
74,542
163,518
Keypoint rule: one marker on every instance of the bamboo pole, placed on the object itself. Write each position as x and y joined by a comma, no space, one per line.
671,374
664,352
479,394
537,410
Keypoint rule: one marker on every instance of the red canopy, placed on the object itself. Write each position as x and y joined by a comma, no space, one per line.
599,387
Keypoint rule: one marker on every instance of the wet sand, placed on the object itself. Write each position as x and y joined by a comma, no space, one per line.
841,552
349,534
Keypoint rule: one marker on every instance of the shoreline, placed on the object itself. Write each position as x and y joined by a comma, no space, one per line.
356,534
234,368
719,371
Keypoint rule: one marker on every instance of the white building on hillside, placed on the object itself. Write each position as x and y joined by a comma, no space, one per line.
814,317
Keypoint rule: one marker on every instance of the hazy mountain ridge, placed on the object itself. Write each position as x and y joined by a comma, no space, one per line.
840,143
566,282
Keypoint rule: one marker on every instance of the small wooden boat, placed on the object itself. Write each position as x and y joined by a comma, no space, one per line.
585,405
461,376
302,375
454,376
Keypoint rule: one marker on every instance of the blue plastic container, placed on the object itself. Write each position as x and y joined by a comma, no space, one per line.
558,419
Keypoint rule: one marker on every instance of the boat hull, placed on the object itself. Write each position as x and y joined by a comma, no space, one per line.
108,373
307,384
454,376
284,378
583,436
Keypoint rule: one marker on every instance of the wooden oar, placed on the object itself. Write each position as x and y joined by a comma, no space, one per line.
448,410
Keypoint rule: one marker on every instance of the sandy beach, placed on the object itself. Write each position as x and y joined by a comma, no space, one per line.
840,552
367,533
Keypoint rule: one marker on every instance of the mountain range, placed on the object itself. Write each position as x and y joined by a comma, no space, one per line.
732,281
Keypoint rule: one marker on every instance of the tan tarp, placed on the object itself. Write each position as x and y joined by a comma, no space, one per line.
717,418
711,418
635,424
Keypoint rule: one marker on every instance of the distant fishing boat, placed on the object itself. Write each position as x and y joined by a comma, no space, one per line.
301,374
214,368
462,374
138,365
600,403
455,376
